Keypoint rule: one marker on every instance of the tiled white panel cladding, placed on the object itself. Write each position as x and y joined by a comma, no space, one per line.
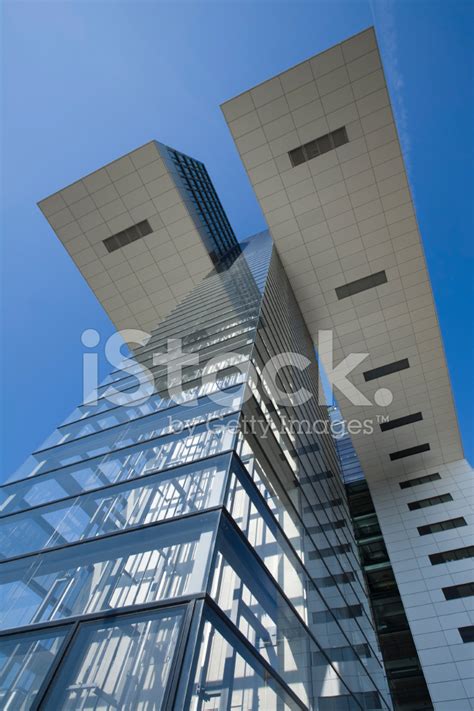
140,283
447,662
339,217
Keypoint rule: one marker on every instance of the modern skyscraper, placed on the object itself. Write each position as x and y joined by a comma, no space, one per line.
320,147
192,546
211,567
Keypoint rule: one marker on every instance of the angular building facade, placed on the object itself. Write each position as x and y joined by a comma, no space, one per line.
320,147
191,546
180,554
405,675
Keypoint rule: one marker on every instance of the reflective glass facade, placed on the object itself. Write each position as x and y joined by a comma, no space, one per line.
191,551
198,192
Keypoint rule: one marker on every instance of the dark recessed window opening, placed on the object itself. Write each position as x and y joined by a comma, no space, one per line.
354,287
467,633
386,369
454,592
131,234
442,526
400,421
432,501
402,453
419,480
320,145
452,555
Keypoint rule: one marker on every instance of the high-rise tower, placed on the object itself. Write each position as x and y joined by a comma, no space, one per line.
320,147
184,540
189,549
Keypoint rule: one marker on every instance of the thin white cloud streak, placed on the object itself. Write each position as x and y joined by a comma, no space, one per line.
383,12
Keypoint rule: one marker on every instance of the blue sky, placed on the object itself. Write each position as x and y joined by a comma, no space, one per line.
85,82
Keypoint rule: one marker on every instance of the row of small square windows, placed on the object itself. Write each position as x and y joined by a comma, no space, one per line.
320,145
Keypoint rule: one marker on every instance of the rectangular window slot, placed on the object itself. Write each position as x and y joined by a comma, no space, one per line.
419,480
131,234
401,421
452,555
354,287
432,501
467,633
320,145
442,526
386,369
454,592
402,453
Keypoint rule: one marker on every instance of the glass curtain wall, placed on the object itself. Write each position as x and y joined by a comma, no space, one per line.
167,553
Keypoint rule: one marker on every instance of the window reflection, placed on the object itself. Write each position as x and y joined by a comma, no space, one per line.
103,418
132,433
25,659
131,463
164,561
164,495
121,664
253,603
228,676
